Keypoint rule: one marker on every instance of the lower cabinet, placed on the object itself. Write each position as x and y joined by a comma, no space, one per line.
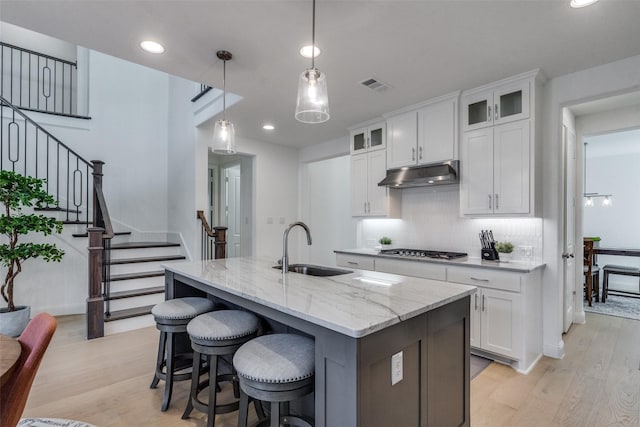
496,324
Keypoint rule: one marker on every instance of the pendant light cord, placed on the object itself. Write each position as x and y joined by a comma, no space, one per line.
224,90
313,36
585,168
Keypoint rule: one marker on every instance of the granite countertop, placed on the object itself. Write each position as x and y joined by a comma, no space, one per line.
354,304
517,266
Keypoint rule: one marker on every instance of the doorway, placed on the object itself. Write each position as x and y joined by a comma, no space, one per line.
230,194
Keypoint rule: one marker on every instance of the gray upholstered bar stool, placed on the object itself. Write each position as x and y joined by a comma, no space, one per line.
276,368
214,334
172,317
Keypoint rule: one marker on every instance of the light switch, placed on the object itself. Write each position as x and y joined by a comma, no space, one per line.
269,220
281,220
396,368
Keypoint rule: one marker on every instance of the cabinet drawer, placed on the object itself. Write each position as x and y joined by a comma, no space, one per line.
355,261
485,278
420,269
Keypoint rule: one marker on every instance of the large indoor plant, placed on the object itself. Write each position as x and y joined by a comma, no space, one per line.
18,192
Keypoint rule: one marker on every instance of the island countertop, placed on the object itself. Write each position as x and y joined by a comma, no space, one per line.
354,304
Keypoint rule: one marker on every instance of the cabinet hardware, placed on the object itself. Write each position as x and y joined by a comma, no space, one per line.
369,207
476,308
496,112
368,143
497,202
365,207
479,280
483,302
489,113
420,153
490,204
352,263
413,154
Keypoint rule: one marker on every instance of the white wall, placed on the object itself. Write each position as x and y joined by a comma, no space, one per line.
37,42
598,82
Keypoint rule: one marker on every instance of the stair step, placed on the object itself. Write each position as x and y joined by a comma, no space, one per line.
143,245
135,293
72,222
115,233
129,276
146,259
128,313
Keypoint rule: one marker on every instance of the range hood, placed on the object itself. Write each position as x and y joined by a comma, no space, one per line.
422,176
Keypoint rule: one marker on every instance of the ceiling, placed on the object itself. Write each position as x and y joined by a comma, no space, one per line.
422,49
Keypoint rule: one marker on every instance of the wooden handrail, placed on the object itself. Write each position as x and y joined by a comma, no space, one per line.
219,236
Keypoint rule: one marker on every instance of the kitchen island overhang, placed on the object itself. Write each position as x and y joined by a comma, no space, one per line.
359,322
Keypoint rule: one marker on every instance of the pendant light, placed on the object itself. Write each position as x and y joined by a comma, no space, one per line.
224,136
312,105
588,197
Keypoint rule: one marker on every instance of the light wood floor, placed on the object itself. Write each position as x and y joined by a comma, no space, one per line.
106,382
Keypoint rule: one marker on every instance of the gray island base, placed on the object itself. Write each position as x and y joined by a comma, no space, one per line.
391,350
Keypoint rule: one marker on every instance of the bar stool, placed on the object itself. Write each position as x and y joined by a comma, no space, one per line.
215,334
172,317
276,368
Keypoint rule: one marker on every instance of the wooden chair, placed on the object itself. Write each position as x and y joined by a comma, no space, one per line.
591,273
34,341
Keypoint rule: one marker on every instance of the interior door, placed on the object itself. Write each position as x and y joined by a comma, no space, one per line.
569,273
232,210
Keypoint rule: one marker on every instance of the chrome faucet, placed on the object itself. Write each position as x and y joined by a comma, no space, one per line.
285,244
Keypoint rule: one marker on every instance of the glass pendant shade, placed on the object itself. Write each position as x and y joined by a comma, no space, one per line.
312,105
224,138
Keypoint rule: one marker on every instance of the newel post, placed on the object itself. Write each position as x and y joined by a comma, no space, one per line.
97,182
220,242
95,301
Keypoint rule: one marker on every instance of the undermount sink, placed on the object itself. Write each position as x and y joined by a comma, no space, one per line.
314,270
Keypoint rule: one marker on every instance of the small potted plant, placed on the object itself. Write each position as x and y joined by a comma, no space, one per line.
17,192
385,242
504,249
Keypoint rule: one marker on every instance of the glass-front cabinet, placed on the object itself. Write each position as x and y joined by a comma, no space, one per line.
496,106
368,138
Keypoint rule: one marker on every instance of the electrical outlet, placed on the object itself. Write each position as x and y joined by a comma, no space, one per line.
396,368
281,220
269,220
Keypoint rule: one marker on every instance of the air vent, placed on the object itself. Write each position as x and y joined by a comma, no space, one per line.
375,85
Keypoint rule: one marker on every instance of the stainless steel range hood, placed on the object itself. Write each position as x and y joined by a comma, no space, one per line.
422,176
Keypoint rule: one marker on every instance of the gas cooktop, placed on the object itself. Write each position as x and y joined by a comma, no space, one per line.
422,253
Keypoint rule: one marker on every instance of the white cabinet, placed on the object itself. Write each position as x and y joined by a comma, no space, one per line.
367,198
495,322
368,138
426,134
501,104
497,170
498,149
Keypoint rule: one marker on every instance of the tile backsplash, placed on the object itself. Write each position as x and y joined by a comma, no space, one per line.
431,220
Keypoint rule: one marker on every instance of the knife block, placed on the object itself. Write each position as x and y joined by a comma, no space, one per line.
490,254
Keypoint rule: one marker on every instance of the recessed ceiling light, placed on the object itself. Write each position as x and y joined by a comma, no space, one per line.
151,46
268,127
581,3
306,51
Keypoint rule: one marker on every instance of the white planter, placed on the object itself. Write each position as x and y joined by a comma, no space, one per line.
12,323
504,257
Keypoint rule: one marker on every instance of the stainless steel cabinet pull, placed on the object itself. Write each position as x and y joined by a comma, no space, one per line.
413,154
479,280
420,153
476,308
482,302
352,263
496,112
497,202
365,207
490,204
367,144
369,207
489,113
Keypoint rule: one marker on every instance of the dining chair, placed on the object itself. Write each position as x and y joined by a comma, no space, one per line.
591,273
34,341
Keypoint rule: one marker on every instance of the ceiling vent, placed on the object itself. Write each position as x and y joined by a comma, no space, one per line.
375,85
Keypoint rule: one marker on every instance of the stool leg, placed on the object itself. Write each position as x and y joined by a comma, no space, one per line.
243,411
213,385
168,386
605,286
258,407
161,349
275,414
195,380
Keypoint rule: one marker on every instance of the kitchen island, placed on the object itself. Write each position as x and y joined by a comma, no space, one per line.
362,323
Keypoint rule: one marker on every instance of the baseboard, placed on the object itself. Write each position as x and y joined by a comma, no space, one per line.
579,317
554,350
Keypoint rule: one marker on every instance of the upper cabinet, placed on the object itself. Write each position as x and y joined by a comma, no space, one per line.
499,150
368,138
367,197
494,106
423,134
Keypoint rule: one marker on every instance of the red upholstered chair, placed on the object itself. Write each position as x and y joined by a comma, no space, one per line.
34,341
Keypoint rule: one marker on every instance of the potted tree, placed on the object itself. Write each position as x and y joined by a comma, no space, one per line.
504,249
17,192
